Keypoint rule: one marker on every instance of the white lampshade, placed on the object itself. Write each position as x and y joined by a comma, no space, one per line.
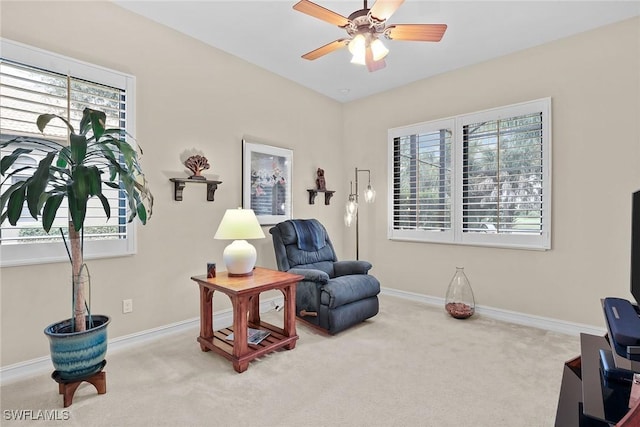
348,219
378,49
369,194
357,47
238,225
352,205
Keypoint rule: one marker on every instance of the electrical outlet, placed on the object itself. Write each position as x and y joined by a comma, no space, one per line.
127,306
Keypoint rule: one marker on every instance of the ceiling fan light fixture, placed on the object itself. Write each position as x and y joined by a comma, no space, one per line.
357,45
359,59
378,49
364,27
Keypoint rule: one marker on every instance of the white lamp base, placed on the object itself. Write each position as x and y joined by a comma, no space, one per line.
240,258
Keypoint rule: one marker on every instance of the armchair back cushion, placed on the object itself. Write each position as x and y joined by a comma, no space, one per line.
289,255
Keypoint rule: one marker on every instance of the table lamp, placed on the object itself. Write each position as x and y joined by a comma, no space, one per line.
238,225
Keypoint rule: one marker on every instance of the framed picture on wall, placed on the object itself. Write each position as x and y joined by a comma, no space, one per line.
266,181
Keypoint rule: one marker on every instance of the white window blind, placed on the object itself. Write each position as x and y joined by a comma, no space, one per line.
422,166
27,89
481,178
502,175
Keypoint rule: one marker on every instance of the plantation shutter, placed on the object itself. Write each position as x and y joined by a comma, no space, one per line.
25,93
422,180
481,178
502,176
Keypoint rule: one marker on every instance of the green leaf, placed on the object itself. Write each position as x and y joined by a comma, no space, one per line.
44,119
142,213
81,182
112,184
77,207
98,120
38,183
64,158
106,152
78,148
5,196
8,161
126,150
85,122
14,208
105,205
94,180
50,210
17,171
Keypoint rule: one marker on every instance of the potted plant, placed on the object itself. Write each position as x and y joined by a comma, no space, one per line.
94,157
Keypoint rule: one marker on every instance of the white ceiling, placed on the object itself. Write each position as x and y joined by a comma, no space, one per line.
271,35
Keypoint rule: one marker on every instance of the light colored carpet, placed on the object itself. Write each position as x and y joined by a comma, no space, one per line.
411,365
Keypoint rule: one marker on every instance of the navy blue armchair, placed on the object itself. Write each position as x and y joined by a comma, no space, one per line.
334,295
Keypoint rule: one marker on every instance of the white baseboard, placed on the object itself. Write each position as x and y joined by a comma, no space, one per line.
546,323
224,318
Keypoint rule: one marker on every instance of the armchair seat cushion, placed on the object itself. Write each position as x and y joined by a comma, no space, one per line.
347,289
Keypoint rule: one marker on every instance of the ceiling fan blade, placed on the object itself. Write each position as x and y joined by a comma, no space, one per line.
317,11
383,9
416,32
371,64
327,48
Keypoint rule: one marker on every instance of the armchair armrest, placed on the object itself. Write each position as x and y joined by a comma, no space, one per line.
311,275
342,268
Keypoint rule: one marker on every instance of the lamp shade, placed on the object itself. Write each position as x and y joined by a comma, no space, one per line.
378,49
239,224
369,194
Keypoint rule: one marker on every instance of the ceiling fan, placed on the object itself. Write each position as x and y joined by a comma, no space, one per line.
364,27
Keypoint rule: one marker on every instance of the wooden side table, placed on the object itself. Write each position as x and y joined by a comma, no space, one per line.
244,293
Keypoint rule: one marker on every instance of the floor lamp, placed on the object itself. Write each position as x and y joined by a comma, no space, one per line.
351,213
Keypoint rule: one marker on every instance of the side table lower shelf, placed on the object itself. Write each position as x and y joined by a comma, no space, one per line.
224,347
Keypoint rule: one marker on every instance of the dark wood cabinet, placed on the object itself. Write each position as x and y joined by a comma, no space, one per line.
586,398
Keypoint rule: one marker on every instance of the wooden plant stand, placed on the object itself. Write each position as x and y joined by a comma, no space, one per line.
68,387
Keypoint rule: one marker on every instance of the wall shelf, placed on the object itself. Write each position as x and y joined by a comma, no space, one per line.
328,194
180,183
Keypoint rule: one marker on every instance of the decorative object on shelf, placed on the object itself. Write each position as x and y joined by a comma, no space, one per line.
180,183
321,184
196,164
321,187
351,213
459,302
266,181
239,225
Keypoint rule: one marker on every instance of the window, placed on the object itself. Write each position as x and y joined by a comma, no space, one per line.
479,179
34,82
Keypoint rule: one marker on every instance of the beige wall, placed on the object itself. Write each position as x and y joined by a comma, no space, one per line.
189,95
192,96
594,82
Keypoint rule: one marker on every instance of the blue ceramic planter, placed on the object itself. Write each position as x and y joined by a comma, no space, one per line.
77,355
